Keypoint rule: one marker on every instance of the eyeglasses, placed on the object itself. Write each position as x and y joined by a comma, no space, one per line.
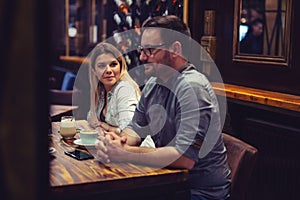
148,50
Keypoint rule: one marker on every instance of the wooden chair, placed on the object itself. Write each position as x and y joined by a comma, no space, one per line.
62,97
241,158
71,97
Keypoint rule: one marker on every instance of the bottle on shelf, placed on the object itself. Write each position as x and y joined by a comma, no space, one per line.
122,5
128,20
160,8
175,7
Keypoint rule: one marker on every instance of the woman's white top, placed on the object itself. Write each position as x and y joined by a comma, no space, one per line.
122,101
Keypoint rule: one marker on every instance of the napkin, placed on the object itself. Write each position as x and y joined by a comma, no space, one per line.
148,142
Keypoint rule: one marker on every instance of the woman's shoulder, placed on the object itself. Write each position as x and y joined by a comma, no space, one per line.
124,86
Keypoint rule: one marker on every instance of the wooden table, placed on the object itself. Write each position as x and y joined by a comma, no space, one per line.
56,111
90,179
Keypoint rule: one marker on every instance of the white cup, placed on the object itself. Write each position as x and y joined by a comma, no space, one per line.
67,127
88,136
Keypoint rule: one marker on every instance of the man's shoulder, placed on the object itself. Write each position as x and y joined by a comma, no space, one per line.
194,76
150,82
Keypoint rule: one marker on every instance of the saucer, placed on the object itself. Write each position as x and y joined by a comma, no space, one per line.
78,142
52,150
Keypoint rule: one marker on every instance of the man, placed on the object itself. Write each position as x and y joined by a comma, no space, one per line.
252,43
179,109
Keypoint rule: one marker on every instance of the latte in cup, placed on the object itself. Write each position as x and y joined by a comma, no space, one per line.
88,136
67,127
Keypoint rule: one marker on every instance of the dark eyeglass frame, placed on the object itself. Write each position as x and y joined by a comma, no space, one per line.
148,50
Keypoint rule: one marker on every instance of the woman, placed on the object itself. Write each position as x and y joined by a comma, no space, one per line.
114,94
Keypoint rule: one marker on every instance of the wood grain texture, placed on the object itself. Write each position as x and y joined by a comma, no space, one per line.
76,59
73,177
269,98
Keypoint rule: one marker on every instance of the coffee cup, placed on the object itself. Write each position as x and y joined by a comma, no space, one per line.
67,127
88,136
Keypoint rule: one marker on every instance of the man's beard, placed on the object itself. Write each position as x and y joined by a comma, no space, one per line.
154,69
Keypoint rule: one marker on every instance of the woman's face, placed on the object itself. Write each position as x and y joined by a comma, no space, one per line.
108,70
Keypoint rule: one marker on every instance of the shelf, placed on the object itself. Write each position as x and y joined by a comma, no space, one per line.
75,59
264,97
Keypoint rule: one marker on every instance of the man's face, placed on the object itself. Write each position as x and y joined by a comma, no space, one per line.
257,29
154,54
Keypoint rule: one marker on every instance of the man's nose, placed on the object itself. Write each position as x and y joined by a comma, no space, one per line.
143,56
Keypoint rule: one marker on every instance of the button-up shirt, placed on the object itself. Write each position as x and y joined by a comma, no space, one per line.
183,112
121,104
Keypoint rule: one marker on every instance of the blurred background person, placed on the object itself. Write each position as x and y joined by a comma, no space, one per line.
254,14
252,43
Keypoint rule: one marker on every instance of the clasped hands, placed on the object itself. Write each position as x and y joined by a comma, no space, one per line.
111,146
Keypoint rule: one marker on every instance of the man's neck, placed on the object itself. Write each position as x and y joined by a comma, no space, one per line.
170,71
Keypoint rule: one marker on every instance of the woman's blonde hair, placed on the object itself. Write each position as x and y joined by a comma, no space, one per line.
96,87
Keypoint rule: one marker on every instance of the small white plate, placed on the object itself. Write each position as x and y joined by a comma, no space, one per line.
52,150
78,142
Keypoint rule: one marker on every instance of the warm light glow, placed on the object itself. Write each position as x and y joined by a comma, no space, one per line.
72,31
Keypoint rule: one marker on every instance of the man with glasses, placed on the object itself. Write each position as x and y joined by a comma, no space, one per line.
178,110
147,50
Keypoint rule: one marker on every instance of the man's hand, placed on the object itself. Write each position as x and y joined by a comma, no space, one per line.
109,145
102,150
116,148
114,136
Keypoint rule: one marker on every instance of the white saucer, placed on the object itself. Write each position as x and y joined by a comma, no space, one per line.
78,142
52,150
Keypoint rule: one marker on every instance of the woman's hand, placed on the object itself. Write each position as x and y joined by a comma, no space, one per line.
93,120
109,128
94,123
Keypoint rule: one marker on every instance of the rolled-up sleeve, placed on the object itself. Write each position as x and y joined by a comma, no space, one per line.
195,117
127,99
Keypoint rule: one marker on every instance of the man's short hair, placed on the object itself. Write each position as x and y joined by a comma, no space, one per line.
174,23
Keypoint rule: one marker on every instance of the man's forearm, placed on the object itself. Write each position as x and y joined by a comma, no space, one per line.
160,157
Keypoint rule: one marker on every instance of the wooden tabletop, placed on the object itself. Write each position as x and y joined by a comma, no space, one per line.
264,97
70,177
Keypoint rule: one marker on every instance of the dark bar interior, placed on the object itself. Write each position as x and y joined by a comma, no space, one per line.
247,50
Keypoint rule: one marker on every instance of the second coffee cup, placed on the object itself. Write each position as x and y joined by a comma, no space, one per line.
88,136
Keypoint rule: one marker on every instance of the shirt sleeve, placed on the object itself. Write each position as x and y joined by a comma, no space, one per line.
198,110
127,99
139,122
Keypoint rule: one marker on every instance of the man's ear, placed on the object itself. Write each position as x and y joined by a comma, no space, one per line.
177,48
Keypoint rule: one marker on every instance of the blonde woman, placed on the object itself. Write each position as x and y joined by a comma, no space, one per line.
114,94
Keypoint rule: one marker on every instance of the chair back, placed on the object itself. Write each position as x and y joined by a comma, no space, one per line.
241,159
62,97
